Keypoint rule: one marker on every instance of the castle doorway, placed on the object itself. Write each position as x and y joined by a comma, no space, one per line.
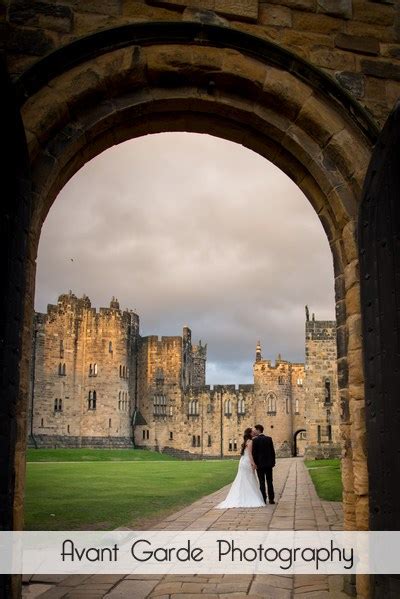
299,441
145,78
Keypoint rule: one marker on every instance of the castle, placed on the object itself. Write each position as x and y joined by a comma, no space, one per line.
96,382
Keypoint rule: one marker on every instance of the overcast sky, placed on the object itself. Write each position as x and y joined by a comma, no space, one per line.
191,229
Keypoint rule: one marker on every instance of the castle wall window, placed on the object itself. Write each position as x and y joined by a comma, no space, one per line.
327,399
228,407
68,431
110,347
235,445
280,380
109,423
160,405
90,369
144,434
92,400
42,423
198,441
209,441
271,404
61,348
58,405
194,441
148,434
171,436
241,408
193,407
230,446
120,371
62,369
297,406
94,369
171,410
299,382
287,405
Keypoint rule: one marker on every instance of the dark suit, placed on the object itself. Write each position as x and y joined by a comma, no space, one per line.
264,458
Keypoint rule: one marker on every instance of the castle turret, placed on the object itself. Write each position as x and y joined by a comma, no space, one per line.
258,352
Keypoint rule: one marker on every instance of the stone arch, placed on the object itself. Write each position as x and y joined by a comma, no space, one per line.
295,435
209,79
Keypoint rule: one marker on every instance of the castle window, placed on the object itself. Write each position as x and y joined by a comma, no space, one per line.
327,399
209,408
193,408
228,407
209,441
144,434
194,441
68,431
171,436
92,400
280,380
171,410
110,347
58,405
147,434
90,370
198,440
297,406
42,423
230,446
299,382
119,402
287,405
235,445
61,348
241,408
271,404
62,369
109,423
120,371
160,405
94,369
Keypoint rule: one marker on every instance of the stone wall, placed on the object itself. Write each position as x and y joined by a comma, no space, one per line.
356,42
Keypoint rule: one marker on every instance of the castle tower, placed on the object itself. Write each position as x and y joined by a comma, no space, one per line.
258,352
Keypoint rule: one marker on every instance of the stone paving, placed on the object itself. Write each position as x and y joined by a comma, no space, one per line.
297,508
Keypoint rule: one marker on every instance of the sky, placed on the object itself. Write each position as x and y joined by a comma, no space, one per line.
189,229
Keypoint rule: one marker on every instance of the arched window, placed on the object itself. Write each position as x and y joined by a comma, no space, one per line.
92,399
241,408
271,404
193,408
94,369
230,445
64,369
60,369
235,445
90,369
120,371
228,407
58,405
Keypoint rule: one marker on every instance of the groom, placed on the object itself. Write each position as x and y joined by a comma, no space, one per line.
264,458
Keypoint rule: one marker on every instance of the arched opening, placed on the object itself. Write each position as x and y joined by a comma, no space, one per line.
263,98
299,439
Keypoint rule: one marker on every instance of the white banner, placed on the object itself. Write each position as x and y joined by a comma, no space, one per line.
199,552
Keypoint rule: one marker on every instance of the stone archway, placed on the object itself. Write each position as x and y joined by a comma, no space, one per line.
295,435
191,77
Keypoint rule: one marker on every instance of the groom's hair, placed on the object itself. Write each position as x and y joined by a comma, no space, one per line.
259,427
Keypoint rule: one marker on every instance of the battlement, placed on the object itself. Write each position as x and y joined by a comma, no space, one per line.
69,302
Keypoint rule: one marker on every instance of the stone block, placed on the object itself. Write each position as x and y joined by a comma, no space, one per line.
337,8
352,82
276,16
359,44
41,14
246,10
333,59
303,5
374,13
317,23
356,370
33,42
380,68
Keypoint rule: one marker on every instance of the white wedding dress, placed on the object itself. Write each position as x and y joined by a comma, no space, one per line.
244,491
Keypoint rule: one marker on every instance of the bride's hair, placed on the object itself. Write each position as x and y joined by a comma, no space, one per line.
246,437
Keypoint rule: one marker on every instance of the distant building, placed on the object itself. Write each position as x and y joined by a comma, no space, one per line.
97,383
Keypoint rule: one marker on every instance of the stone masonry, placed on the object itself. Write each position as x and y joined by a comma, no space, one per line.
96,382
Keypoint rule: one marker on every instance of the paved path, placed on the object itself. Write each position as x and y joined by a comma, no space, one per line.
298,508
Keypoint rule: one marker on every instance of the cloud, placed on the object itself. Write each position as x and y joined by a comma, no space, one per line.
192,229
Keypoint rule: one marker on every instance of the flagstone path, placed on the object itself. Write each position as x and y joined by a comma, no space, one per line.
297,508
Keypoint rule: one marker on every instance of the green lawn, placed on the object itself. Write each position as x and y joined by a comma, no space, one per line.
104,495
326,476
95,455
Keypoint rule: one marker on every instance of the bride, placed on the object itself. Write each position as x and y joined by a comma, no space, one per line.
245,490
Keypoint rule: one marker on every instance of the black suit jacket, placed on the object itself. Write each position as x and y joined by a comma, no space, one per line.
263,452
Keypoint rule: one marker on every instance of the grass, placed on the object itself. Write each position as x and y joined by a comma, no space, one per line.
96,455
327,479
104,495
